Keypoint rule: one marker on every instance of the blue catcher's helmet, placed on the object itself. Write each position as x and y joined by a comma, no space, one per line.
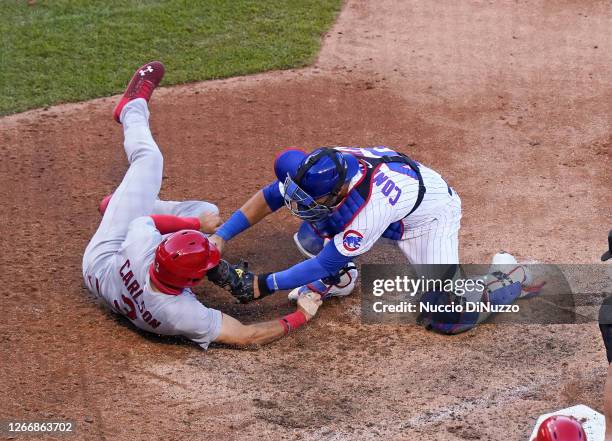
287,162
318,175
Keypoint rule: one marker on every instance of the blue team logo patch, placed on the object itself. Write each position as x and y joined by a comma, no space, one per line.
352,240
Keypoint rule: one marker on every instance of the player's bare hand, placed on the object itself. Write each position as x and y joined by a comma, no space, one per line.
209,222
218,241
256,292
309,304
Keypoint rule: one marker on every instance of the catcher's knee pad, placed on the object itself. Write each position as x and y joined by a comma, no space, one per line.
308,240
445,320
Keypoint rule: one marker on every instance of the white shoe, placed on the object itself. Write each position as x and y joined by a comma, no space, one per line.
503,258
338,286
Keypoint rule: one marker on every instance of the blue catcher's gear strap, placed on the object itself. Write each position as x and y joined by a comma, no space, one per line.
312,160
400,157
346,211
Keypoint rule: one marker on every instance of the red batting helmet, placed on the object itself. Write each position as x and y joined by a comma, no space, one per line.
561,428
182,259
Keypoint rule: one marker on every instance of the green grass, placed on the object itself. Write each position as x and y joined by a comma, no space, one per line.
58,51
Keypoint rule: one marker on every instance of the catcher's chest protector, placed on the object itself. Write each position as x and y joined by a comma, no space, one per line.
359,196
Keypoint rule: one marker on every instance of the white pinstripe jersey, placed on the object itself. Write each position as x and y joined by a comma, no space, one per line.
392,197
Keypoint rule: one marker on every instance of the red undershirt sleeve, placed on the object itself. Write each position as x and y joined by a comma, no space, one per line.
166,223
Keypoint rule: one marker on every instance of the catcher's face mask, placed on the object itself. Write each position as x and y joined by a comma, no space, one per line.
302,204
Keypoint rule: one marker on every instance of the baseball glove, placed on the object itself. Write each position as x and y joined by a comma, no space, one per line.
236,279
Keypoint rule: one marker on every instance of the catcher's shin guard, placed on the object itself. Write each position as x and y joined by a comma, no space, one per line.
506,282
308,240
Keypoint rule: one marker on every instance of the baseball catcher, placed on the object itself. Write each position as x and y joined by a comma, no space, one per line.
348,198
147,254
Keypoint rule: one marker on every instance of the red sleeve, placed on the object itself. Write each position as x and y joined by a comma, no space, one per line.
166,223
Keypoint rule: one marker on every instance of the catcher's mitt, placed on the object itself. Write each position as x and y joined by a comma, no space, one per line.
236,279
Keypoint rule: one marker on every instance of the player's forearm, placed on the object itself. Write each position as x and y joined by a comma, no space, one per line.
254,210
235,333
608,404
263,333
166,223
327,263
300,274
267,332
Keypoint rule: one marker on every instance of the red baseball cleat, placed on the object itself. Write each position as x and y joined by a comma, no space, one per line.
142,85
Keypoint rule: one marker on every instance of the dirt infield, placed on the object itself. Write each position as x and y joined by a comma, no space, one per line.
511,101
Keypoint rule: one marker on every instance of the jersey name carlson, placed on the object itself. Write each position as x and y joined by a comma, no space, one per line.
131,304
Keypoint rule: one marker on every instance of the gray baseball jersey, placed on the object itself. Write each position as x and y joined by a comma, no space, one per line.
117,259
